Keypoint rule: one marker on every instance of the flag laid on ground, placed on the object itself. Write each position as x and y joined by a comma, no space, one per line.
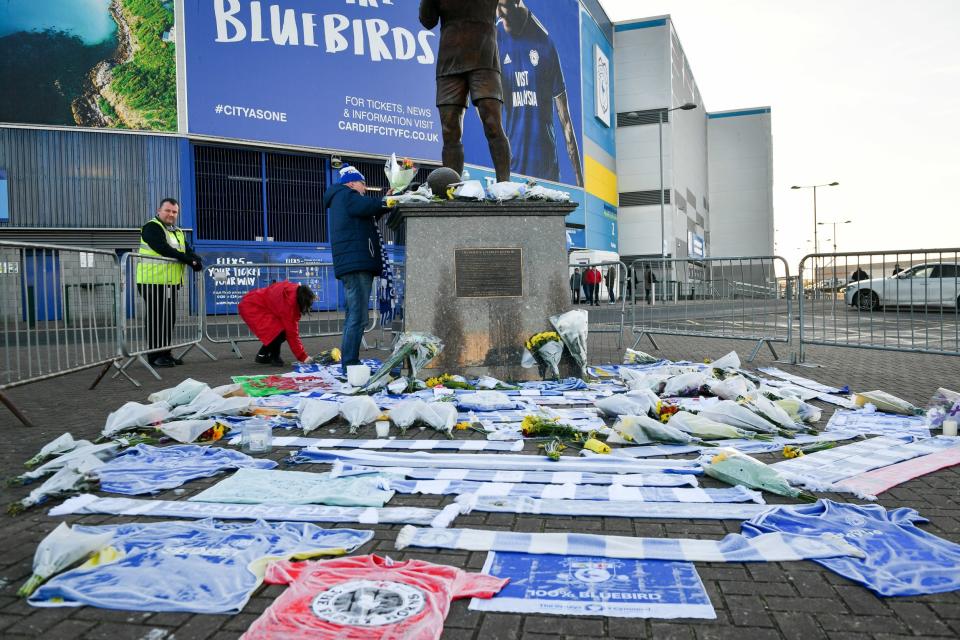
261,486
873,483
595,586
821,470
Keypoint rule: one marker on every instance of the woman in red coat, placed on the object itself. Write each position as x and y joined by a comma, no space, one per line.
273,314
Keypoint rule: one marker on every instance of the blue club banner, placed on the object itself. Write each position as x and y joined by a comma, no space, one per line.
348,75
591,586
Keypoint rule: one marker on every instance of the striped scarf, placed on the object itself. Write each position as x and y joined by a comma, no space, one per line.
388,301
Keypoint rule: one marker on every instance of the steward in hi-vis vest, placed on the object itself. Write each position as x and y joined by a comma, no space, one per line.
160,267
161,271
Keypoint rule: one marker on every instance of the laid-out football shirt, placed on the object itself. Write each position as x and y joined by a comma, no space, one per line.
532,79
205,566
366,597
900,559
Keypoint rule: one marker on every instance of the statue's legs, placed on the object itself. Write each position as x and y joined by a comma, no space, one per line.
451,123
491,114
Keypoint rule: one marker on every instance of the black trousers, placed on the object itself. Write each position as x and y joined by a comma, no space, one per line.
272,350
160,302
576,295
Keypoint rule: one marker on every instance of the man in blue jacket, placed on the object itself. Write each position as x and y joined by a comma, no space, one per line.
357,257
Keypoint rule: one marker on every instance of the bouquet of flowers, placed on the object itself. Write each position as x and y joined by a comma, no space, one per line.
57,447
535,426
572,329
415,349
62,548
449,381
546,348
736,468
400,173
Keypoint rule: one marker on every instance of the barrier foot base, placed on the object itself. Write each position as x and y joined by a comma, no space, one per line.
8,403
649,337
122,371
756,350
236,350
202,349
146,364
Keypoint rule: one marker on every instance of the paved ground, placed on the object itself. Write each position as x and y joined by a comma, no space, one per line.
790,600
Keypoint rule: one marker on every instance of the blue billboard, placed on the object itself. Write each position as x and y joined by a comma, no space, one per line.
345,75
359,76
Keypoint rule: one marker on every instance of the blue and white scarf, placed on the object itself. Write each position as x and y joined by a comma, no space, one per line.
769,547
388,300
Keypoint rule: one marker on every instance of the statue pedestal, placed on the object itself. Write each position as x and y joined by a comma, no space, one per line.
484,278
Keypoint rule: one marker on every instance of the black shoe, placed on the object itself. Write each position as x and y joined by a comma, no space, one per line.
262,359
163,362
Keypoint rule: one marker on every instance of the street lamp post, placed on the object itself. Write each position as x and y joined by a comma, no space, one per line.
663,240
834,223
816,247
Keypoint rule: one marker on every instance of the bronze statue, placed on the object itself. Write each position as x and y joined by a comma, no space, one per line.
468,64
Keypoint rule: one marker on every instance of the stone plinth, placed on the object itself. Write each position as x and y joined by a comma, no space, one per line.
484,278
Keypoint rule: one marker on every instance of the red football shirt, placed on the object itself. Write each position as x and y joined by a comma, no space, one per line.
366,597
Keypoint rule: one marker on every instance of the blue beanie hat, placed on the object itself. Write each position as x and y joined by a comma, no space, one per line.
350,174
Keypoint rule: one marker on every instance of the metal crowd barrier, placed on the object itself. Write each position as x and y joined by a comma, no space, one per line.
58,312
749,298
155,318
227,284
606,318
887,300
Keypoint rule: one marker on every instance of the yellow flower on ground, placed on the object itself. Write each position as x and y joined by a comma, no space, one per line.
791,452
462,426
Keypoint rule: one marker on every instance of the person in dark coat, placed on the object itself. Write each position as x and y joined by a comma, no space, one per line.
273,314
648,280
897,269
858,275
576,280
357,257
611,281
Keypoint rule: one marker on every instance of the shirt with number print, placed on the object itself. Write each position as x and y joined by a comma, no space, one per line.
366,597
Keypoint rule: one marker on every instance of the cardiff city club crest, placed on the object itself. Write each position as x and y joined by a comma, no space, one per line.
368,603
534,57
603,85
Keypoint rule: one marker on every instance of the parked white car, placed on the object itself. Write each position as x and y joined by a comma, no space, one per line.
920,286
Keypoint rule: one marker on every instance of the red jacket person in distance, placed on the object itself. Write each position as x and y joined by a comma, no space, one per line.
273,314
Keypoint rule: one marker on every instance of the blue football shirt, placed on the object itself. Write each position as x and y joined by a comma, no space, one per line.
197,567
532,79
901,559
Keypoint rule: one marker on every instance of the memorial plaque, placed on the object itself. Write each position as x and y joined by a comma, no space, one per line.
489,273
